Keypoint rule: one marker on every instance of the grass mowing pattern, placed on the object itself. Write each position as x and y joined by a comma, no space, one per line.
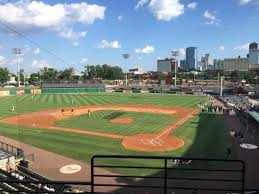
196,132
205,135
25,103
100,121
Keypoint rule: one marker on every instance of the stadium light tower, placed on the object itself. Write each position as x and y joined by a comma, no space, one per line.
175,54
126,56
221,85
18,52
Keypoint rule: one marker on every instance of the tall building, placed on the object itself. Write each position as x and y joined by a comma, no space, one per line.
236,64
166,65
253,54
253,46
191,57
183,64
218,64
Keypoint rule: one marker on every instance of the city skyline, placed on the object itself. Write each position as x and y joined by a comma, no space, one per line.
98,32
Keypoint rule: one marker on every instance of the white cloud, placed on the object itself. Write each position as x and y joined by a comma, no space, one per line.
83,61
165,10
2,60
120,18
221,48
73,36
192,5
31,16
146,50
211,18
40,64
113,44
140,58
244,2
243,47
75,44
181,51
141,3
37,51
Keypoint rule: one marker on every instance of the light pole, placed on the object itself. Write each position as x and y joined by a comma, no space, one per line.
17,52
126,56
221,85
175,54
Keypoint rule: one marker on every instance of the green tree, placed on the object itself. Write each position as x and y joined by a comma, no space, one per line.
235,76
67,74
34,78
49,74
103,71
4,75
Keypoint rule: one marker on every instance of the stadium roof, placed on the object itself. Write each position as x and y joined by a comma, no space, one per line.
255,115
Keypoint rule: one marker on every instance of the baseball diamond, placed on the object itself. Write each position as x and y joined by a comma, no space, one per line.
143,124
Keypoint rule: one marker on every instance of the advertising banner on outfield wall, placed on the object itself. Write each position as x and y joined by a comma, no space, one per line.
35,91
20,92
4,93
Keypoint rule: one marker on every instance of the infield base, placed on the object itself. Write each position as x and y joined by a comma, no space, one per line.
151,143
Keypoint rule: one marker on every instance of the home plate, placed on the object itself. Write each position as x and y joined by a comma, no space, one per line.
70,169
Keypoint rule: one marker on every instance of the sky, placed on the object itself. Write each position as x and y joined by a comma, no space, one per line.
100,31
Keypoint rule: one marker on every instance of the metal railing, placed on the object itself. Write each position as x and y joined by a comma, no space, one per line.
166,174
17,152
165,171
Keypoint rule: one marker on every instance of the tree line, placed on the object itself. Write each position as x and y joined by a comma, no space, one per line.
105,71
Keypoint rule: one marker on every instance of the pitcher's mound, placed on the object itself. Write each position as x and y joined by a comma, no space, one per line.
122,120
151,143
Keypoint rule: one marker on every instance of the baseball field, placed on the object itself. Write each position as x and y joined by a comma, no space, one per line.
82,125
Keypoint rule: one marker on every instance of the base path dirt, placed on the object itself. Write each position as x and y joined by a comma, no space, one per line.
162,141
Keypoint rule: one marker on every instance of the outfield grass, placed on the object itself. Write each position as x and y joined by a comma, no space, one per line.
101,121
25,103
205,135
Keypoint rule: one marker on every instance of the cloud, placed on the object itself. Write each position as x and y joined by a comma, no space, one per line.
165,10
181,51
221,48
113,44
34,16
192,5
40,64
139,58
211,18
141,3
243,47
120,18
73,36
2,60
244,2
83,61
37,51
146,50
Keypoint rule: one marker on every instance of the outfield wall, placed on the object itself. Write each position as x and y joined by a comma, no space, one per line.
49,91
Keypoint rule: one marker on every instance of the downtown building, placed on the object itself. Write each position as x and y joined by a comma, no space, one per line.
236,64
253,57
167,65
191,58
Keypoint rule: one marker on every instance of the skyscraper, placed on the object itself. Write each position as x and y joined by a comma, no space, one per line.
253,46
253,54
191,57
